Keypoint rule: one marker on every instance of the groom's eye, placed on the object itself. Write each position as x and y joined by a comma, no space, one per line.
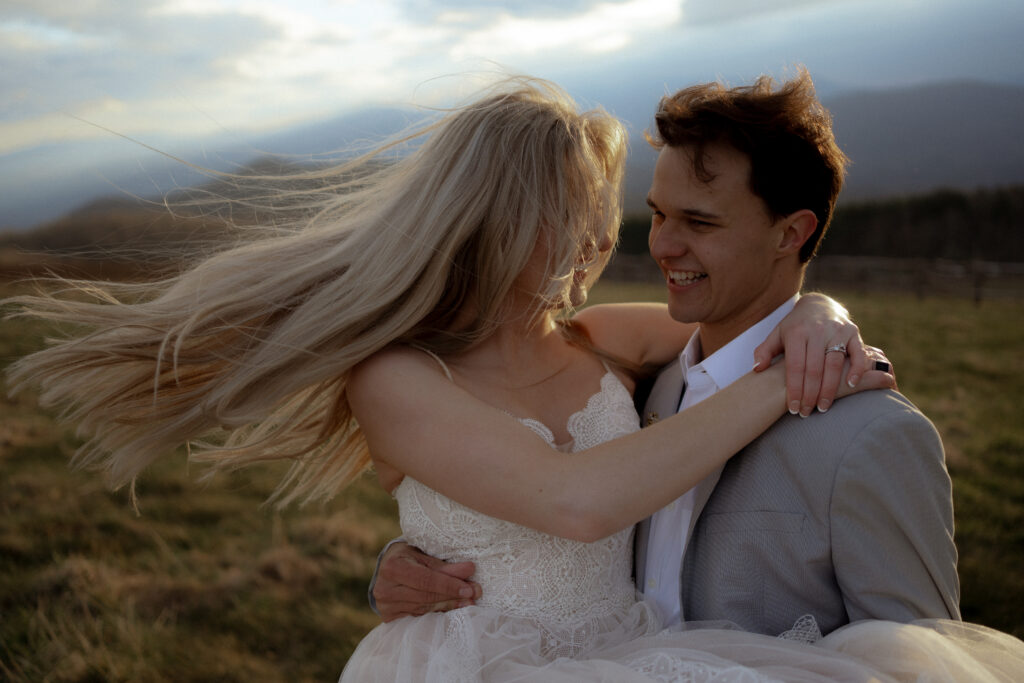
700,223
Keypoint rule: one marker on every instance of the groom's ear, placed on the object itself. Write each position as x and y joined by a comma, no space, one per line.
797,228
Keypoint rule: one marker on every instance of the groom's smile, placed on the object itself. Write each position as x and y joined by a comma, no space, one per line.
684,278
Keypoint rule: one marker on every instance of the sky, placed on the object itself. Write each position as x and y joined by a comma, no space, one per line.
187,76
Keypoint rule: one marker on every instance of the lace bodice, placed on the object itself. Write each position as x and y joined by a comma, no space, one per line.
565,586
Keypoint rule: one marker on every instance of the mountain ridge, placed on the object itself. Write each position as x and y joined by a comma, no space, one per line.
951,134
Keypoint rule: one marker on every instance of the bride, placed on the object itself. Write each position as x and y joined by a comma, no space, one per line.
412,316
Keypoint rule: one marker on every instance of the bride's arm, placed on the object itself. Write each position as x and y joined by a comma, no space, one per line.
417,421
645,333
641,332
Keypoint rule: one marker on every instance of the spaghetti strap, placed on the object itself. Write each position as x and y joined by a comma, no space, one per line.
447,372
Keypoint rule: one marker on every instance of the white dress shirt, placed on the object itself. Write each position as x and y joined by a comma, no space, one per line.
667,540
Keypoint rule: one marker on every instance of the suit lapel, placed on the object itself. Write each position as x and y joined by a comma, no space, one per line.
662,402
665,394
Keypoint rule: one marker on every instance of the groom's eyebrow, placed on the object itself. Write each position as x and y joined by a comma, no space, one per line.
698,213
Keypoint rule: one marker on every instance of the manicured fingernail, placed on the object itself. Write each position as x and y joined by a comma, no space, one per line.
852,380
823,405
805,411
794,407
756,366
467,592
465,603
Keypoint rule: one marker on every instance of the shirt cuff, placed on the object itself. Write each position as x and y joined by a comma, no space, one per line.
373,580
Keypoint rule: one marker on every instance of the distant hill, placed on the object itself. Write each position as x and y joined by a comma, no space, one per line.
120,229
958,135
69,186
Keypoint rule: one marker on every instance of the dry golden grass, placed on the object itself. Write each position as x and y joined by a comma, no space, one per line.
204,584
207,585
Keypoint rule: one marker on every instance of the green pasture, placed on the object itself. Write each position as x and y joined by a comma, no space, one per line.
205,584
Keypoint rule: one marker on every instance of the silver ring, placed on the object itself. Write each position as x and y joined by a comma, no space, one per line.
841,348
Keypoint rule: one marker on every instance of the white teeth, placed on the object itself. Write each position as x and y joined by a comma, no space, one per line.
685,277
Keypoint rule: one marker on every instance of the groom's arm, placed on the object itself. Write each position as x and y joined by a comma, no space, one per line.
892,523
408,582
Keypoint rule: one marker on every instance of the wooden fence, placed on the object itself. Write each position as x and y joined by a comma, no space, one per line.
979,280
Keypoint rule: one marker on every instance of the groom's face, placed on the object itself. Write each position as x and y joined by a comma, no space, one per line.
715,242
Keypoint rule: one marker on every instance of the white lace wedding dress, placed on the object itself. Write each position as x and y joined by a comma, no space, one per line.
560,610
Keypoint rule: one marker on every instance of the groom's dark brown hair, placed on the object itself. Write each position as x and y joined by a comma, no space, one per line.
785,131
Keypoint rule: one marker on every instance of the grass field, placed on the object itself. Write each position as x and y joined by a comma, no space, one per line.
206,585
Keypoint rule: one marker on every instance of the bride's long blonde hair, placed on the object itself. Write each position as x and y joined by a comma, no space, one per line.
245,357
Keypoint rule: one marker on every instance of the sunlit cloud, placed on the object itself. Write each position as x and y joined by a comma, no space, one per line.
603,28
38,35
78,123
724,11
201,66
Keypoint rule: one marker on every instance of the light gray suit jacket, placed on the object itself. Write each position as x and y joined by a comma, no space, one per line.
845,515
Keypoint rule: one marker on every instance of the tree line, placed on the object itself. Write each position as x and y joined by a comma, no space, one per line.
984,225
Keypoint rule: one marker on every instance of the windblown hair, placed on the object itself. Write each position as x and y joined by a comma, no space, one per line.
785,131
246,356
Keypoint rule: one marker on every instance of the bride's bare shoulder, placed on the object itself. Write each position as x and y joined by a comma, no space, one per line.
391,367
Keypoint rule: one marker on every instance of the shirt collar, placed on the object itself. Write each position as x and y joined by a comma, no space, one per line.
735,359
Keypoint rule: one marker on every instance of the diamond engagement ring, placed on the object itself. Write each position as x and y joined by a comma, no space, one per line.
841,348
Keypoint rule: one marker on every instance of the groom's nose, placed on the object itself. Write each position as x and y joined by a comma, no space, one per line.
663,242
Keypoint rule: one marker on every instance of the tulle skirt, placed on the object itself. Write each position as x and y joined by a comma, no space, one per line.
478,644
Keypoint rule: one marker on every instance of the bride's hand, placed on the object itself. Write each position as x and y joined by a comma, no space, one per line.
816,338
879,375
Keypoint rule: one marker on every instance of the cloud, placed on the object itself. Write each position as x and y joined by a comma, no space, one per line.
483,11
724,11
63,59
600,27
84,13
190,64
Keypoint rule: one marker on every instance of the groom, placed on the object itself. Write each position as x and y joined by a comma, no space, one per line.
845,516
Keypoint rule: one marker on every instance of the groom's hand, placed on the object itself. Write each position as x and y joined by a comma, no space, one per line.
410,583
